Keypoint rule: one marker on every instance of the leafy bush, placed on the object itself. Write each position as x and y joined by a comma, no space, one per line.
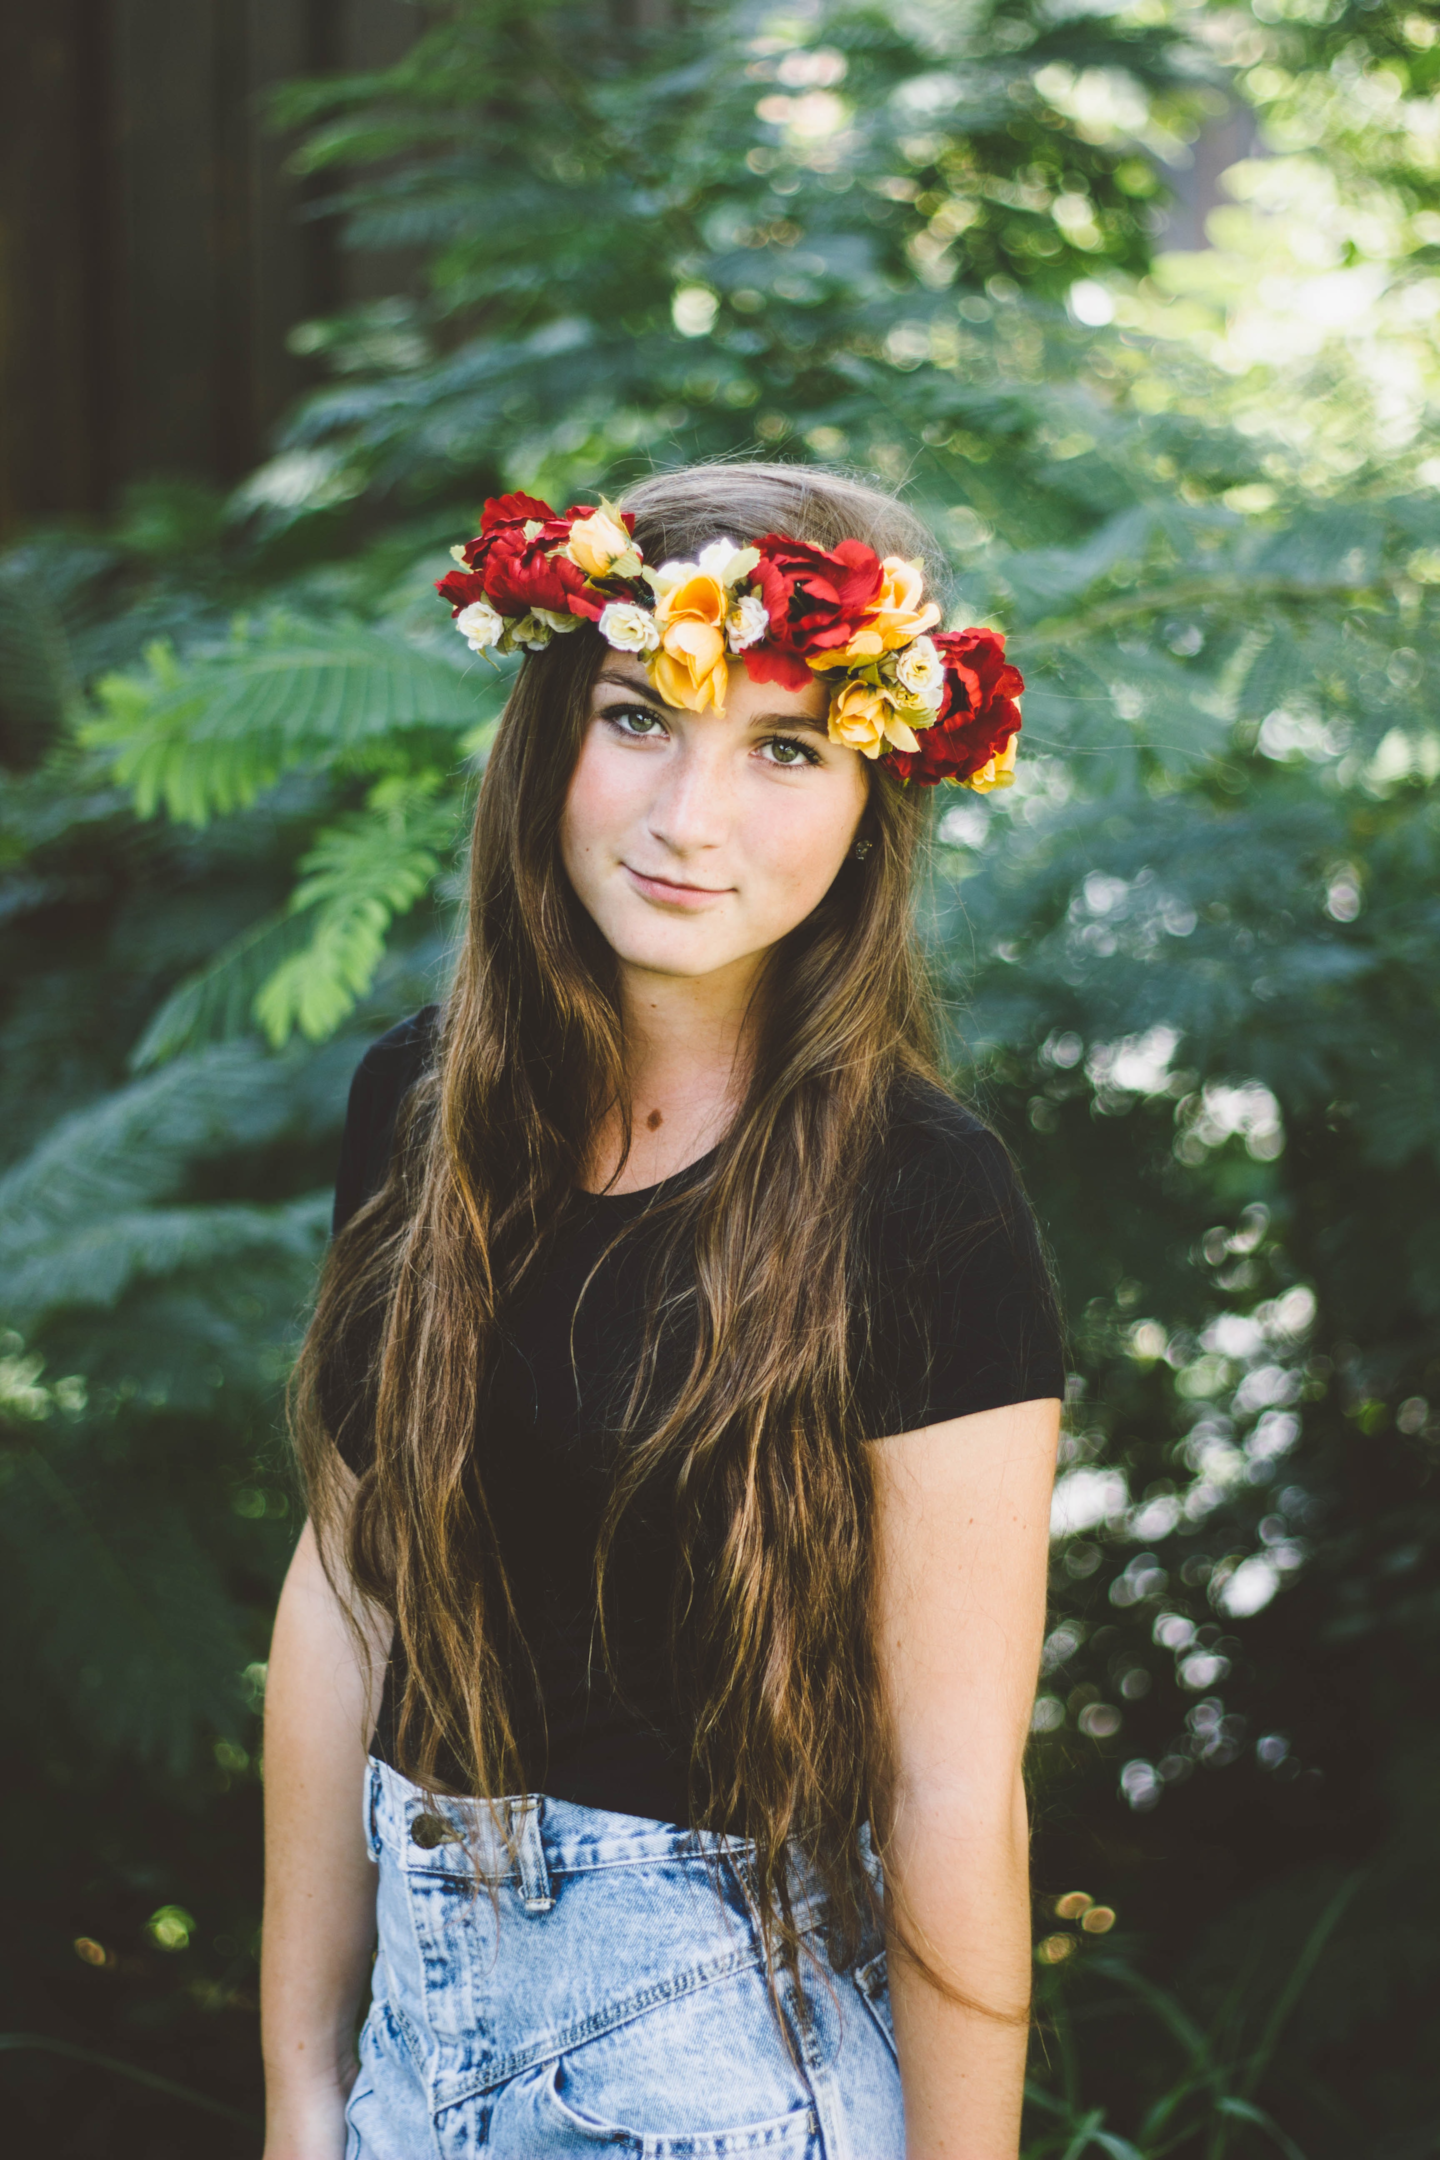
1190,959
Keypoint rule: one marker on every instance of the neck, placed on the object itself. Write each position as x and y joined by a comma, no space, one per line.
689,1049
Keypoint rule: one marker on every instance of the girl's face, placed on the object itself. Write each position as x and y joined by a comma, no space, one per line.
697,840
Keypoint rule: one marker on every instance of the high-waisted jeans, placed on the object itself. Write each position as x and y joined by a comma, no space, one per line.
616,2001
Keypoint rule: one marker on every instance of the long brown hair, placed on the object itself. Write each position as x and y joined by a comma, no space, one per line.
761,1443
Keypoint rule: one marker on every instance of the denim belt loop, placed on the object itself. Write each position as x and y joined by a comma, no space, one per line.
525,1817
374,1795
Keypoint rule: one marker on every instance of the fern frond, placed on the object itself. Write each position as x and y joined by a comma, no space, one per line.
364,871
93,1264
204,736
131,1149
217,1002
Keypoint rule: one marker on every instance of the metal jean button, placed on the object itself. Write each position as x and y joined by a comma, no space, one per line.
429,1831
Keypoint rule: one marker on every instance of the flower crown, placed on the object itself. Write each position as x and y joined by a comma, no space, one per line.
935,708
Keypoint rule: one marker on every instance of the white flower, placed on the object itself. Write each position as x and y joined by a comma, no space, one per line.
628,628
560,624
480,625
746,623
920,670
723,560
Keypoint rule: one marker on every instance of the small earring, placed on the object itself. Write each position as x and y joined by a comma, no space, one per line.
862,849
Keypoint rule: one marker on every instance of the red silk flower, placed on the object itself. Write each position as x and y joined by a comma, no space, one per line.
502,528
977,717
816,602
515,574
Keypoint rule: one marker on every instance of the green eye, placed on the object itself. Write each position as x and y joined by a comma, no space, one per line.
788,751
634,720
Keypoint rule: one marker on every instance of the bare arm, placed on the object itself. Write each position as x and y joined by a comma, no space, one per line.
319,1926
962,1542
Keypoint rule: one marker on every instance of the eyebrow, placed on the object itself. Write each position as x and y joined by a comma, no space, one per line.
643,690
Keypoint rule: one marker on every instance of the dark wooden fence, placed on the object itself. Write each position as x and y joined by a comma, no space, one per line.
153,251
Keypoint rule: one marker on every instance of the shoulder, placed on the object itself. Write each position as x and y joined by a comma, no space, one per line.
963,1314
939,1158
396,1059
948,1206
382,1080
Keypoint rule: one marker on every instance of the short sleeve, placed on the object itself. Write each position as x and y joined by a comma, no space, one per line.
963,1312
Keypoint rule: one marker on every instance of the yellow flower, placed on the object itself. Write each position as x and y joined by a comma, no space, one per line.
895,617
999,772
690,670
867,719
600,546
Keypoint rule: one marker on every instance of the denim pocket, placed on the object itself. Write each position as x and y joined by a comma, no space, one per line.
577,2130
705,2073
873,1982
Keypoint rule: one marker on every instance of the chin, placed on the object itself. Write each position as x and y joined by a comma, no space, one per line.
672,956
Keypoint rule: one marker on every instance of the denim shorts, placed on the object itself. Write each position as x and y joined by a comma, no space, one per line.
610,1998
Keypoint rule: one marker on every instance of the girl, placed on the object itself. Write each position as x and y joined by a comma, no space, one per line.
679,1414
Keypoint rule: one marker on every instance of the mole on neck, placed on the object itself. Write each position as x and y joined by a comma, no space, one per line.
654,1120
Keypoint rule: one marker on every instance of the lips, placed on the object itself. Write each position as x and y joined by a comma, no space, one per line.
668,889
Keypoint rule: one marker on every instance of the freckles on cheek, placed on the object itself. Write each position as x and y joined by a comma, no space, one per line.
803,859
601,802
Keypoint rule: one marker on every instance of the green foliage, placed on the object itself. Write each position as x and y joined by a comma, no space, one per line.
1209,2073
97,1218
38,691
112,1160
360,874
793,194
205,739
218,1002
1191,959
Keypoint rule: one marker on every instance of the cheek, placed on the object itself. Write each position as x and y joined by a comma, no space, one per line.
801,854
601,803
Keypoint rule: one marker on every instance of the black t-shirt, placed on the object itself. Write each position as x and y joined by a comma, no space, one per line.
963,1320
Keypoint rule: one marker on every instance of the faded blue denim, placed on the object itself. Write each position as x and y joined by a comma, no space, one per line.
620,2005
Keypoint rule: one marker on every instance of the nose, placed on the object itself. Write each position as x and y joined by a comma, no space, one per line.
691,808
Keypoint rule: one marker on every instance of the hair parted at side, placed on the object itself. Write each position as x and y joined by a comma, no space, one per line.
761,1444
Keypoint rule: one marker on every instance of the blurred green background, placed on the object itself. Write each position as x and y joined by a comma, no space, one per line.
1140,304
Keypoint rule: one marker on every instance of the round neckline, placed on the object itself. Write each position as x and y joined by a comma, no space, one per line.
640,1194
